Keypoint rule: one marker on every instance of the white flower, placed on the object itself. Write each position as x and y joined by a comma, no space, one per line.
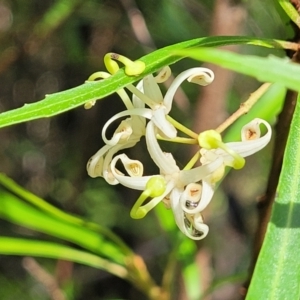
188,192
178,185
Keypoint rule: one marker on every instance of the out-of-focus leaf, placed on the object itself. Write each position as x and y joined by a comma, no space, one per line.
270,69
277,272
21,213
49,209
16,246
70,99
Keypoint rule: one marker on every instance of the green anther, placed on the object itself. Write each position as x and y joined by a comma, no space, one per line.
209,139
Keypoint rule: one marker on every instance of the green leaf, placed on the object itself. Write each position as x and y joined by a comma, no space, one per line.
270,69
290,10
277,271
70,99
49,209
16,246
17,211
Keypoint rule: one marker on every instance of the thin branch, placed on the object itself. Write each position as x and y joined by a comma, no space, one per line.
42,276
245,107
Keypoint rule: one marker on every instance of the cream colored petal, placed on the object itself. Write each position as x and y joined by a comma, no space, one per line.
196,197
135,123
183,221
163,75
133,167
199,173
137,183
122,133
204,77
137,102
166,165
249,147
243,148
107,172
200,226
95,163
165,127
152,90
192,74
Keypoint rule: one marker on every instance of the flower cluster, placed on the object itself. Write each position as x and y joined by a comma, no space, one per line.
186,191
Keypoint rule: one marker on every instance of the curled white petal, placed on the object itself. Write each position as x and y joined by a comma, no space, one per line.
133,167
207,192
122,133
163,74
136,125
186,222
200,226
208,76
95,163
137,183
251,131
191,195
204,77
248,147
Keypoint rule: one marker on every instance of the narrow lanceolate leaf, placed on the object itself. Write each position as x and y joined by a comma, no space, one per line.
16,246
67,100
268,69
277,271
19,212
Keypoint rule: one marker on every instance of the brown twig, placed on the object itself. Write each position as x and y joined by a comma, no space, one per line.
43,277
245,107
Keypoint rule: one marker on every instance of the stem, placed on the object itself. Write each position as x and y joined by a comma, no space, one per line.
139,276
245,107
